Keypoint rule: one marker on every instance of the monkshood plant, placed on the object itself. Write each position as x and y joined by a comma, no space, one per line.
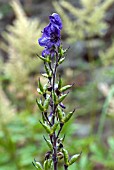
53,94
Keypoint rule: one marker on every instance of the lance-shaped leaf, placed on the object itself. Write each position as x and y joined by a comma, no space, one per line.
66,156
42,58
45,59
49,143
68,116
40,86
46,102
46,127
74,158
47,69
60,114
65,88
62,97
54,127
39,103
37,165
61,60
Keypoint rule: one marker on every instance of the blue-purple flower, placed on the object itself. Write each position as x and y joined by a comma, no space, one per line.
51,35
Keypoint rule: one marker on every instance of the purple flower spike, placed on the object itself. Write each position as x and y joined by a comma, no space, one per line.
56,20
51,36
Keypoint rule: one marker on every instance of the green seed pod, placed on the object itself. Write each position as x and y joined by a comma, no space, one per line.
39,91
60,114
61,60
54,127
54,96
61,98
39,103
66,156
74,158
46,102
66,119
47,164
65,88
40,86
46,127
37,165
49,143
45,75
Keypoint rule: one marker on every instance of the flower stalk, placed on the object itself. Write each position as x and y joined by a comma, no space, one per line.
52,97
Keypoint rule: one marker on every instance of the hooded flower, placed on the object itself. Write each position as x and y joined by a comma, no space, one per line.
51,35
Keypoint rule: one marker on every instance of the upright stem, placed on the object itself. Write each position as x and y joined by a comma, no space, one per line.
53,116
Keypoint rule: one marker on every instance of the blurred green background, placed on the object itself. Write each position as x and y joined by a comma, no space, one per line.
88,29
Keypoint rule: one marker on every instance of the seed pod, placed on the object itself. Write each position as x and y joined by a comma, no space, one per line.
54,127
67,117
39,103
60,114
74,158
61,98
54,96
48,143
65,88
46,127
45,75
66,156
47,164
37,165
46,103
61,60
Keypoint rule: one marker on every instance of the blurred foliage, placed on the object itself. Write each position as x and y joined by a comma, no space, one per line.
20,133
88,20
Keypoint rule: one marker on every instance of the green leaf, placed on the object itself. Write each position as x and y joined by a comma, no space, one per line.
40,86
